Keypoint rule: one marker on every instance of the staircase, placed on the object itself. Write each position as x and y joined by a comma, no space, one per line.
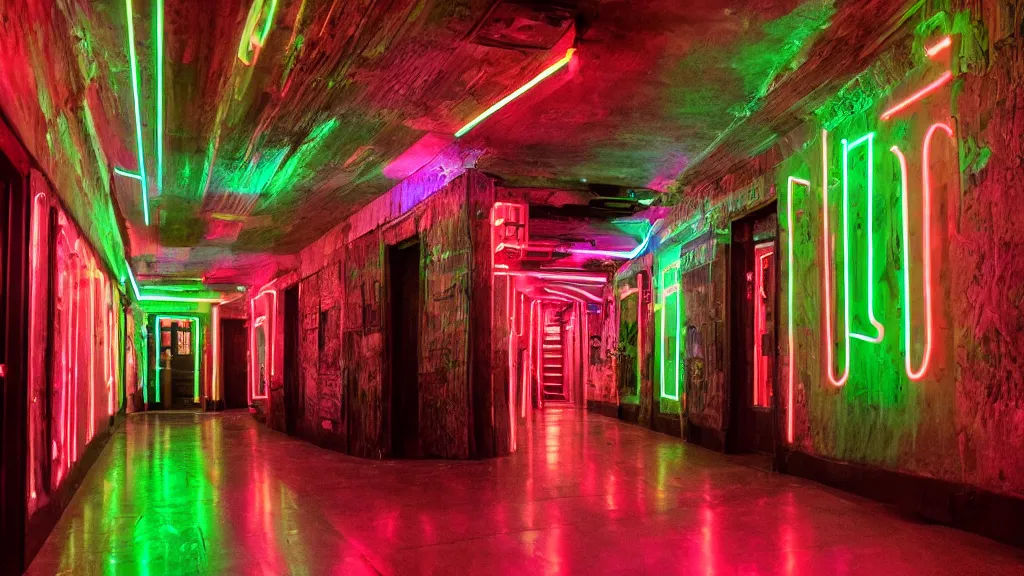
553,362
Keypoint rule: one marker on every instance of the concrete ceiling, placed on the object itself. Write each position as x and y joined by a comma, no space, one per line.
270,141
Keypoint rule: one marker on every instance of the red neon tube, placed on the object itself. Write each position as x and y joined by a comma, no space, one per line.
919,95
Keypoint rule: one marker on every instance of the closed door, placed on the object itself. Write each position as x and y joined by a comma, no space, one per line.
234,365
404,275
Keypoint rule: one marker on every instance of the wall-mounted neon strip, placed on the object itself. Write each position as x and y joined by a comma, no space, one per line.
935,49
215,354
926,241
557,292
791,349
919,95
159,95
868,138
827,255
130,15
522,90
194,320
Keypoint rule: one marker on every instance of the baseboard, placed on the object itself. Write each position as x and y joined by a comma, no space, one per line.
668,424
45,518
704,437
996,516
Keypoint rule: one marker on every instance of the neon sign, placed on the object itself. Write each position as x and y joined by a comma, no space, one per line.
915,370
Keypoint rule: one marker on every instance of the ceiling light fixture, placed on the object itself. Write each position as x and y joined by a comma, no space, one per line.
522,90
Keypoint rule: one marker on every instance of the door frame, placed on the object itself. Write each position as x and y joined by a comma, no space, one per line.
196,353
733,442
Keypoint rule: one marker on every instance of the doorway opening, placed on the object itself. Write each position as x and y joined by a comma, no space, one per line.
752,324
234,364
177,367
404,334
293,403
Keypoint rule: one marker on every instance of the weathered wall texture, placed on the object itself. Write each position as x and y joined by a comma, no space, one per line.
343,320
963,419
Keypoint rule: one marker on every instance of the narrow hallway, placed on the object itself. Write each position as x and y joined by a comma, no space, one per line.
182,493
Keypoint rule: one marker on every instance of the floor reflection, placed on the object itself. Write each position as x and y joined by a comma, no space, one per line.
218,494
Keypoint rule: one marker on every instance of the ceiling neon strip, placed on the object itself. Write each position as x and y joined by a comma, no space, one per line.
869,138
129,14
522,90
827,273
159,95
919,95
791,350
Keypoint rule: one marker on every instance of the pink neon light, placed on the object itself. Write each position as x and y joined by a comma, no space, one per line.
510,295
579,291
557,276
827,252
938,47
91,427
269,317
253,362
927,248
760,361
920,94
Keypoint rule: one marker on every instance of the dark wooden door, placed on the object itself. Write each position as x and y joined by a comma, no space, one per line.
234,363
14,275
404,275
293,405
752,338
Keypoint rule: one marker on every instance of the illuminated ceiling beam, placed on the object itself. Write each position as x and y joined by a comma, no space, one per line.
522,90
159,95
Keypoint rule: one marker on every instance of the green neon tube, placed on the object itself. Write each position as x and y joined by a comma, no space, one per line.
519,92
869,138
196,348
129,14
159,95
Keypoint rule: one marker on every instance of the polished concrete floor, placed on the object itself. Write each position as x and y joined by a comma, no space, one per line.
218,494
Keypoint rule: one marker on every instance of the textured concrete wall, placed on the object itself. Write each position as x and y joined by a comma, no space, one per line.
343,308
